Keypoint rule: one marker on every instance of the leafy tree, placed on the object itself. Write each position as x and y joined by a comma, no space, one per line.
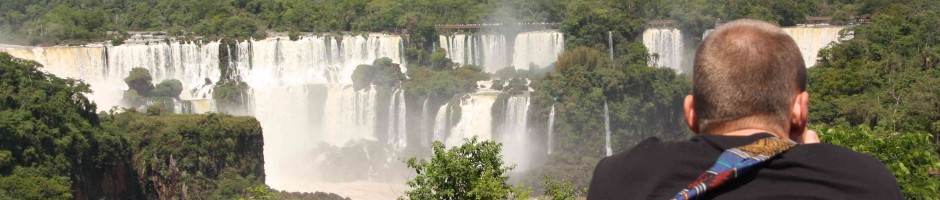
139,80
363,76
560,189
51,141
911,157
382,72
473,170
168,88
642,102
885,76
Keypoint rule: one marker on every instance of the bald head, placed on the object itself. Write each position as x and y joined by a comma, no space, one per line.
746,69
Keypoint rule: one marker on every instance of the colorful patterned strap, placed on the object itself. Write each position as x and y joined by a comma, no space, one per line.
735,161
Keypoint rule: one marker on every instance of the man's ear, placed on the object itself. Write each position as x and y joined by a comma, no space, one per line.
799,115
690,118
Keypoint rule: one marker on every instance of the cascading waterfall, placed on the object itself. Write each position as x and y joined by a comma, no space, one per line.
397,135
515,132
809,39
195,65
812,39
104,68
425,124
539,48
475,119
607,130
667,44
392,113
400,120
492,51
442,123
551,130
86,63
301,93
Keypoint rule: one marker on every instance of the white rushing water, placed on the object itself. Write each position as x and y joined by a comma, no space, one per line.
475,119
104,68
442,123
539,48
666,45
607,130
515,132
397,134
493,52
809,39
301,94
812,39
425,124
196,66
551,130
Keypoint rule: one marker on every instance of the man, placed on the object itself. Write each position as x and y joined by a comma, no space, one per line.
748,106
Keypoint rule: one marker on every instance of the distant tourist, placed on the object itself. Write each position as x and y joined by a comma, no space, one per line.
748,108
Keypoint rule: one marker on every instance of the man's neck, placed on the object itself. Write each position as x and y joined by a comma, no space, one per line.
751,131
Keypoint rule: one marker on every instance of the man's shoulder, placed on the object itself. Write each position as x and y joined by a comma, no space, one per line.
841,171
643,171
831,154
651,147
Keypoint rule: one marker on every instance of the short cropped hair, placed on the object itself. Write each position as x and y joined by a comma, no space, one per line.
746,68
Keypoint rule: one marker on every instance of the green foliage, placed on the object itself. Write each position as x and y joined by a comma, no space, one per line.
439,61
882,84
443,84
168,88
230,95
382,72
473,170
884,77
51,143
560,189
210,156
139,80
517,86
154,110
911,157
643,102
32,183
505,73
141,91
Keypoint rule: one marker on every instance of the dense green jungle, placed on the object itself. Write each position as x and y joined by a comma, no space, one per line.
876,93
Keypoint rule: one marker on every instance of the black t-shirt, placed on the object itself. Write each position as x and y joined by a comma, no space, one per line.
658,170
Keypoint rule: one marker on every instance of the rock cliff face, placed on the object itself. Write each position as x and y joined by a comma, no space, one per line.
188,156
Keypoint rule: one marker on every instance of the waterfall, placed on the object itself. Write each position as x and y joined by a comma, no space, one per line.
442,123
539,48
400,119
300,91
809,39
667,45
392,118
551,130
492,51
607,130
397,135
301,94
812,39
475,119
86,63
315,59
515,123
195,65
425,123
104,68
515,132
